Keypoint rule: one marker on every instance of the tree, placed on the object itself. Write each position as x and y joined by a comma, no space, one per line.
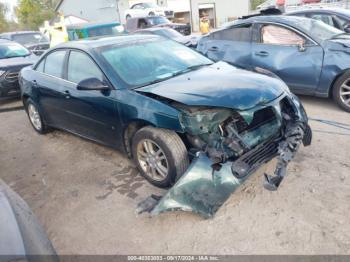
31,14
3,20
255,3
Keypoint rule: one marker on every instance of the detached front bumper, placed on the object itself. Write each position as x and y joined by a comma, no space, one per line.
206,186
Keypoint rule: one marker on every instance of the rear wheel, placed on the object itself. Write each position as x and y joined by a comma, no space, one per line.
341,91
35,118
128,17
160,155
151,14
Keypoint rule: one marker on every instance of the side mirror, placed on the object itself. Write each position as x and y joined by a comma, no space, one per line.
302,47
92,84
347,28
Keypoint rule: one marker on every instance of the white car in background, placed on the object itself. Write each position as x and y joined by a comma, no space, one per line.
147,9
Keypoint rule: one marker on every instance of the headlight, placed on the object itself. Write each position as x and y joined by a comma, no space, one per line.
2,72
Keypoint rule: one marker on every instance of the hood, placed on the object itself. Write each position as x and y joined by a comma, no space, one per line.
173,25
219,85
18,61
187,40
338,44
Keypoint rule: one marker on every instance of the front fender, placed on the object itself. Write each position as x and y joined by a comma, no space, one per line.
335,63
133,106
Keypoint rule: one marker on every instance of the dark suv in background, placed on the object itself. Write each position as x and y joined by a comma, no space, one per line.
32,40
137,23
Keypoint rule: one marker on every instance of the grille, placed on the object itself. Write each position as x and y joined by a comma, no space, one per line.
11,76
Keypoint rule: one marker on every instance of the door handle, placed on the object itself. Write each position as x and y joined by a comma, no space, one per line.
213,49
262,53
67,94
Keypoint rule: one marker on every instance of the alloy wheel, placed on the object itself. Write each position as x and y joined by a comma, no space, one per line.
345,92
152,160
34,117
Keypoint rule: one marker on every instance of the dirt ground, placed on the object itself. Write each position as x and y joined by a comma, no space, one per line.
85,195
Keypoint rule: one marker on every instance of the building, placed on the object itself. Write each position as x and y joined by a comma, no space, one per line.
218,11
94,10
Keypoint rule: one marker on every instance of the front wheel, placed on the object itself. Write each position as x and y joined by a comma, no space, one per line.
128,17
160,155
341,91
151,14
35,118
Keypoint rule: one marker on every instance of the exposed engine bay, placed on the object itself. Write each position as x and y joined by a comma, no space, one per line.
228,146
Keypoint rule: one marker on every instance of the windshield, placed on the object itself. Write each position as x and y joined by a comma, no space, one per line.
317,29
29,38
143,63
150,5
168,33
157,20
10,50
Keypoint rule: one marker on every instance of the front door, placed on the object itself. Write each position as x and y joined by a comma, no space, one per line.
91,113
293,57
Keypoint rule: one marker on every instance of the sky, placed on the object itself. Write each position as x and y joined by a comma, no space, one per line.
11,4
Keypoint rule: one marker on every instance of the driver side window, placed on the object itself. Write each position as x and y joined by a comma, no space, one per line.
81,67
277,35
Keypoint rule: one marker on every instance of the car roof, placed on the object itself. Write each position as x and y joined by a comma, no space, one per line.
22,32
293,21
322,10
89,44
91,25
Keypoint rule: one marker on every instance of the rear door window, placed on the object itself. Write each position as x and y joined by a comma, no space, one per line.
54,63
241,34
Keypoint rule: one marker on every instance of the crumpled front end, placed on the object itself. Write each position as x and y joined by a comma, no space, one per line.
227,147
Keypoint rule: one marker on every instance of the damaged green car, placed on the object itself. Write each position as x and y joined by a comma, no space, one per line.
196,126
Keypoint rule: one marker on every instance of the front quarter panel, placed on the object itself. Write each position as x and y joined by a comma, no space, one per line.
134,106
336,62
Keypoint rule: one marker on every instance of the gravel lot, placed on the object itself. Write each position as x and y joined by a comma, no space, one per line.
85,195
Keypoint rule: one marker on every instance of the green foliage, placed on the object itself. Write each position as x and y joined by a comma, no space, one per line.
31,14
3,21
255,3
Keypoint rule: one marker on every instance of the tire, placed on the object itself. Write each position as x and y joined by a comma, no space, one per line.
35,117
341,91
151,14
172,161
128,17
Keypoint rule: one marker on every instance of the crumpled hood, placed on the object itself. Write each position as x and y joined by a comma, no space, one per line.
220,85
18,61
338,45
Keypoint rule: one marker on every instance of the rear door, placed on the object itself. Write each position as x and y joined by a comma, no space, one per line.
294,57
49,82
232,45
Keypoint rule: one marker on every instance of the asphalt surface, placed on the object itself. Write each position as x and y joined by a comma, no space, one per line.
85,195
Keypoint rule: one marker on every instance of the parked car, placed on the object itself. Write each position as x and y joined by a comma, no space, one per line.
310,1
310,56
338,18
13,57
190,41
158,101
91,30
22,237
138,23
147,9
32,40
